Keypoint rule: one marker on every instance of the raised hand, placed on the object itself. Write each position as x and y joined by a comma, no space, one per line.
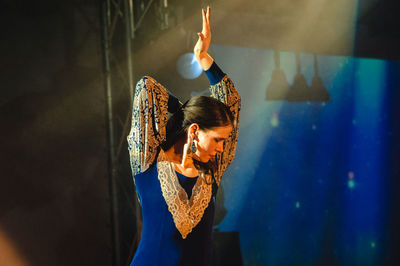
201,47
204,40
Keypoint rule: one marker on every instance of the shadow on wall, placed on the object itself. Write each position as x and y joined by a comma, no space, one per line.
279,88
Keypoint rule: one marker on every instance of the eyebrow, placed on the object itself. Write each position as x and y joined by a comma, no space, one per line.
218,139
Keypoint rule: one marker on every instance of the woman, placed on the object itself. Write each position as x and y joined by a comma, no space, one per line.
178,163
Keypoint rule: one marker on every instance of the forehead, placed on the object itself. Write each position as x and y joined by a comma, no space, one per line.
220,132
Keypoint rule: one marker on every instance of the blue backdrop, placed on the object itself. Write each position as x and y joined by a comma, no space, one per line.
310,183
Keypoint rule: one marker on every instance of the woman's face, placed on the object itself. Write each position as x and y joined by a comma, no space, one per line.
210,142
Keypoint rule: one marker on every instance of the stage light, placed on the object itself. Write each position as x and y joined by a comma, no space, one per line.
188,67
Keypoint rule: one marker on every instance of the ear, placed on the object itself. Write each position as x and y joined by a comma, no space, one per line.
193,130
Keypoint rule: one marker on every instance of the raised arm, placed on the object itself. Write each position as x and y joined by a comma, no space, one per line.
225,91
149,117
222,89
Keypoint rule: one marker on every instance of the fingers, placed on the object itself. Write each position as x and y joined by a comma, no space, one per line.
208,15
201,35
206,19
203,12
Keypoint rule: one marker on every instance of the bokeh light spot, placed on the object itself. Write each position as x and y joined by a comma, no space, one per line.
351,175
188,67
351,184
274,120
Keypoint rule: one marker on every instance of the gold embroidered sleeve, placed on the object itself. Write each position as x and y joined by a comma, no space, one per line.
226,92
149,118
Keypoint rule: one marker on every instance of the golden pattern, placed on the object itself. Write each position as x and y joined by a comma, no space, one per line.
149,118
226,92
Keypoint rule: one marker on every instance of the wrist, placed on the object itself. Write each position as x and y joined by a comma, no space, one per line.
200,56
205,60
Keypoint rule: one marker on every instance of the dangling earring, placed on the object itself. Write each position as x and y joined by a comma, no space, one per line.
193,146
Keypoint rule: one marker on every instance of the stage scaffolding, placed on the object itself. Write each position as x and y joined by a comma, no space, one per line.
120,19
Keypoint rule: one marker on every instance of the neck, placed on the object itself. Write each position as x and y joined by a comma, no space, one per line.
182,165
176,157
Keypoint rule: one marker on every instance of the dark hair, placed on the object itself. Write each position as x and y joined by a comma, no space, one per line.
205,111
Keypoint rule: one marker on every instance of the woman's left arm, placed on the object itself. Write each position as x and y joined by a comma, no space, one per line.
225,91
222,89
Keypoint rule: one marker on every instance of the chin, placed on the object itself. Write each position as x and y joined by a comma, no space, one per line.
204,160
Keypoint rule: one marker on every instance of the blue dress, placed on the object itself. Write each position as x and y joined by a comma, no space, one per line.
161,243
175,230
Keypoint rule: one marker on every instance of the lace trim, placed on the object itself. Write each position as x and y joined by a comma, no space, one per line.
186,213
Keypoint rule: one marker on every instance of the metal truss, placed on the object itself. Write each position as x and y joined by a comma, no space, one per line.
118,29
